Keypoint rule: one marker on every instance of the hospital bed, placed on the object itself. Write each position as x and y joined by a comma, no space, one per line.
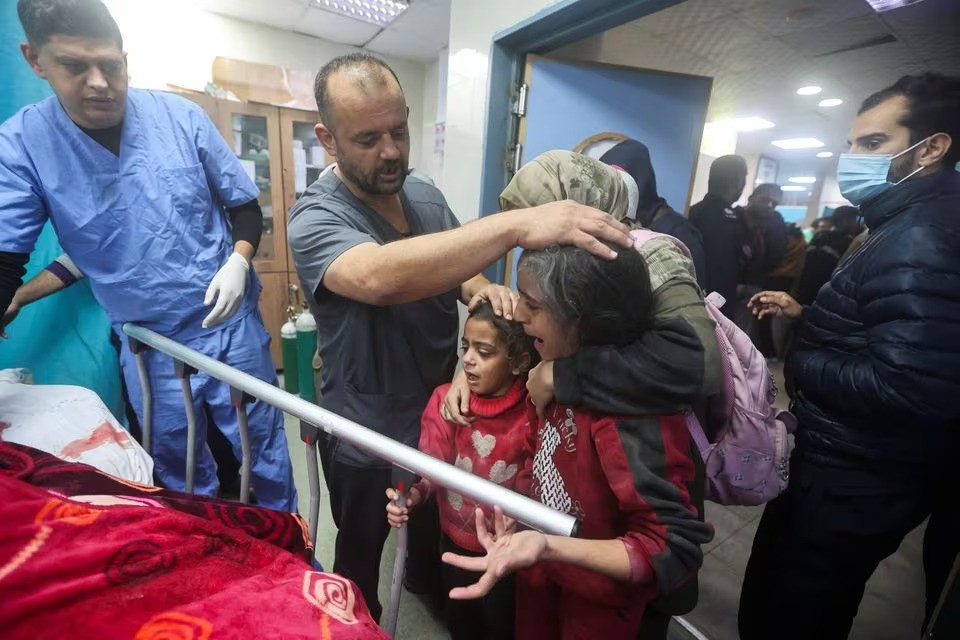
313,419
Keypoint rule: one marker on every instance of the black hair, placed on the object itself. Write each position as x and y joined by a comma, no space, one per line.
609,301
373,65
726,174
933,106
795,232
43,19
843,214
772,187
512,335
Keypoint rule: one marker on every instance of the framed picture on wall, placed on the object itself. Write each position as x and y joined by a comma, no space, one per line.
767,169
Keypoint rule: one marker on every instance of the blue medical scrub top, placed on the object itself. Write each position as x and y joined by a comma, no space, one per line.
147,227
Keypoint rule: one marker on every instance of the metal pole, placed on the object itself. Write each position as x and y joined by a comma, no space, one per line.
401,481
184,370
309,434
240,400
146,420
530,512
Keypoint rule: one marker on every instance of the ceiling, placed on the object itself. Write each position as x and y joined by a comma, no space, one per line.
418,34
760,51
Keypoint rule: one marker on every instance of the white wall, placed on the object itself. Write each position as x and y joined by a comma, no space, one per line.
431,162
472,26
174,42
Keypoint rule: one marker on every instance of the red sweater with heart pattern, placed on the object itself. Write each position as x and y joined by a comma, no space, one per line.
492,448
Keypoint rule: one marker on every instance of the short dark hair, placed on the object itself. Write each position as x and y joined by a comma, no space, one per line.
795,232
358,60
772,187
609,301
517,342
843,214
726,173
43,19
933,106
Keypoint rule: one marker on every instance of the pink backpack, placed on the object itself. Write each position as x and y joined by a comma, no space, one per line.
748,461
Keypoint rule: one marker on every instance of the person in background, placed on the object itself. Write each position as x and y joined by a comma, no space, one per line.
764,236
497,355
152,205
775,332
720,229
383,262
876,372
825,251
784,276
652,211
629,479
823,225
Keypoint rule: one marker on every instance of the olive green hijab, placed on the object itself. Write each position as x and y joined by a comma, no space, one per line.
565,175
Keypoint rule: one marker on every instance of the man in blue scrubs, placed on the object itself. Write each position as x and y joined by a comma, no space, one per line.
139,187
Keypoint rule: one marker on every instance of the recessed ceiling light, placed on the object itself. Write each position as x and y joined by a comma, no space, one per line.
798,143
749,123
810,90
831,102
825,154
803,179
378,12
793,187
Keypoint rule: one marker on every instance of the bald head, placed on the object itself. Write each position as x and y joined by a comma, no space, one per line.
349,79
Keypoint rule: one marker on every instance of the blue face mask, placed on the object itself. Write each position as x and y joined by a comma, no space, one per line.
862,176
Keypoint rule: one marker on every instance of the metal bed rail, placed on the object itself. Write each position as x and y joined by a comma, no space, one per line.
245,388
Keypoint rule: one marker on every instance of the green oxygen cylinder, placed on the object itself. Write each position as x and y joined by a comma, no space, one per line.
288,342
306,348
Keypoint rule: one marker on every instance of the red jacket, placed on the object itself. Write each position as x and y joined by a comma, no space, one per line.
627,478
493,447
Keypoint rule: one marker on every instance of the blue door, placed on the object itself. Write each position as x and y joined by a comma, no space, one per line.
569,103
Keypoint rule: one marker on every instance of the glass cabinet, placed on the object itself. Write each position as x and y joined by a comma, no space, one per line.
303,159
253,132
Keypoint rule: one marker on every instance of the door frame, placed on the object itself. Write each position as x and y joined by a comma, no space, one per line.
560,24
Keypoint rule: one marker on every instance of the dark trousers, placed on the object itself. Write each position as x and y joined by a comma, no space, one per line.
819,543
358,505
489,618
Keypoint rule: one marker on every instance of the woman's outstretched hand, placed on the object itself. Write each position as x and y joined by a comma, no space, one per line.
507,551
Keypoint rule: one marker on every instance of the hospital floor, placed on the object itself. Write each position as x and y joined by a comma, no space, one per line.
892,607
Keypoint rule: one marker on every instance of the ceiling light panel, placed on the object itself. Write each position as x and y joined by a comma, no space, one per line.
803,179
798,143
830,102
750,123
378,12
825,154
792,187
810,90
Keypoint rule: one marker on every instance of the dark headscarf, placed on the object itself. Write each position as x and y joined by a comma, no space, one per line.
634,158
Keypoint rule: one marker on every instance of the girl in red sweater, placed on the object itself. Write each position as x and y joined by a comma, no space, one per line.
496,357
628,478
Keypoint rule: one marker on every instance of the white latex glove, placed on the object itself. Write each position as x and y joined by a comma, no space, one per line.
228,287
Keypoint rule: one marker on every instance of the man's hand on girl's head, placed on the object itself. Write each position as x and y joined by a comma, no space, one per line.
571,223
502,299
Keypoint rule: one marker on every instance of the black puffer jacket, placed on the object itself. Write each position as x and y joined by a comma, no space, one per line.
876,365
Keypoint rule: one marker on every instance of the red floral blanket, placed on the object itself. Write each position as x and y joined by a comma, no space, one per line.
85,555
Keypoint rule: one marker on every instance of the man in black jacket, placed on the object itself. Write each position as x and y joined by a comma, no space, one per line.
876,370
720,228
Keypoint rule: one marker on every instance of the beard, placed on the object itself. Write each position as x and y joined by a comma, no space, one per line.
901,167
373,182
